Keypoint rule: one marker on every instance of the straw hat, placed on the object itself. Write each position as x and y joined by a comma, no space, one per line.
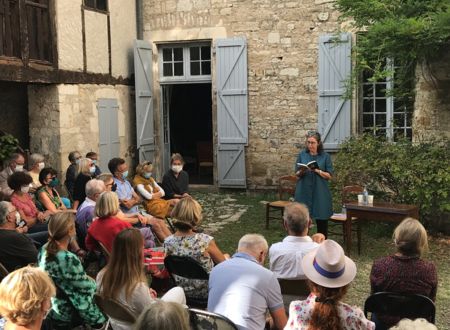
328,266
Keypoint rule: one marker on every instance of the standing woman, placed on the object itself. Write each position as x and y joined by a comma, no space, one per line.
86,170
312,186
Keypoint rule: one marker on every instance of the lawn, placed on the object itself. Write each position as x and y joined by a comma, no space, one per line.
230,215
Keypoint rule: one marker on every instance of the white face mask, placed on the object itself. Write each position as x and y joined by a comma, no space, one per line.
25,189
17,218
92,169
41,165
177,168
19,168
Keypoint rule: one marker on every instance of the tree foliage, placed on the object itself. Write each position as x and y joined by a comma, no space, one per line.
8,145
408,31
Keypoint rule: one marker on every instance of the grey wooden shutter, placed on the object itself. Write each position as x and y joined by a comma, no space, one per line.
334,122
109,144
144,100
232,111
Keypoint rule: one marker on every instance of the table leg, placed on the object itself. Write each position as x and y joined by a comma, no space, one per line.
348,234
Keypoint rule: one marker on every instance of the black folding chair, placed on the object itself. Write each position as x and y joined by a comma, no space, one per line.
293,290
188,268
411,306
114,309
203,320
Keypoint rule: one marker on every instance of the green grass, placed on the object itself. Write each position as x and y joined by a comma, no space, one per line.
376,243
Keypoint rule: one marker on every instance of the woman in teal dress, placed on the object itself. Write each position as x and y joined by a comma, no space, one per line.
312,186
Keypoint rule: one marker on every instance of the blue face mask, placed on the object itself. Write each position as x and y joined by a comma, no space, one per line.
147,175
124,175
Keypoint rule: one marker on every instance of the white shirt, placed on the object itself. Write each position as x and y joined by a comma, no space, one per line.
285,257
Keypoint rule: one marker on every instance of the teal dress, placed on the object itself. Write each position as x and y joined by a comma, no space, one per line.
313,190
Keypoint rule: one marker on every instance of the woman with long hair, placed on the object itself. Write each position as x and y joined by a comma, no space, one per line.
74,304
123,278
329,273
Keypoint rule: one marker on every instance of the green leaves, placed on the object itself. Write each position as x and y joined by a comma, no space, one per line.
8,145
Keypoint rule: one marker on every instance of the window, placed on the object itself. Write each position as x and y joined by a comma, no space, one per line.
185,62
382,113
101,5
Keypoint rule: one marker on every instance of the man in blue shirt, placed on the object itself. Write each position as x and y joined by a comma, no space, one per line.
243,290
128,198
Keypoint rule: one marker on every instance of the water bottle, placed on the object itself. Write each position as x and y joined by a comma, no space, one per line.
365,196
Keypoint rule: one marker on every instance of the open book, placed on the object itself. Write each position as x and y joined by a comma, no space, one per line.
312,165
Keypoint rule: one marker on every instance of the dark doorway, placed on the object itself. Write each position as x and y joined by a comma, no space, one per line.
190,118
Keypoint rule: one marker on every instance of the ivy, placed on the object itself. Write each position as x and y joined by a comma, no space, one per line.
8,145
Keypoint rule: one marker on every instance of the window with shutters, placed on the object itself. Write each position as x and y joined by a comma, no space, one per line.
185,62
382,113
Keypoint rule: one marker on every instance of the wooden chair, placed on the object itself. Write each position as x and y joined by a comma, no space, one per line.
286,189
411,306
203,320
293,290
115,310
204,155
349,193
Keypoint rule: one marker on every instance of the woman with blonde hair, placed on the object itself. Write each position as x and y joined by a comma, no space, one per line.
405,271
123,278
187,214
74,305
85,172
164,316
152,193
36,164
25,298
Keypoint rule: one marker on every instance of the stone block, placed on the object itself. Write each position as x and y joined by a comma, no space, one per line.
273,38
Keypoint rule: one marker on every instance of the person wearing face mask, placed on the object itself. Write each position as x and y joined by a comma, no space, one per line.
36,164
151,192
47,198
71,173
16,248
66,270
86,170
128,198
94,157
176,181
15,163
21,183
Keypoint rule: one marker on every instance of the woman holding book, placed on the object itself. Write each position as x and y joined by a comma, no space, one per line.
314,169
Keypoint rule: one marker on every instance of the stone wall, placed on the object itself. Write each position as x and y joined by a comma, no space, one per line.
64,118
282,41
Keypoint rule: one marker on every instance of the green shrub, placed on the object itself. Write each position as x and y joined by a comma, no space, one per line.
8,145
404,172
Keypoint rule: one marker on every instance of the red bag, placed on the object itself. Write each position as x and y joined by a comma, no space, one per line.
154,262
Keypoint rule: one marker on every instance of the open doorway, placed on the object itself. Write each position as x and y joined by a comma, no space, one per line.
187,116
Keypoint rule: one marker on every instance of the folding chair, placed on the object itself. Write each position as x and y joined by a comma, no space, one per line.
286,189
203,320
293,290
115,310
188,268
411,306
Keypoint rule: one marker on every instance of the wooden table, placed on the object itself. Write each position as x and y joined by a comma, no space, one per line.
378,211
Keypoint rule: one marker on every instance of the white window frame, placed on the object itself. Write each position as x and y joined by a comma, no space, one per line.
186,77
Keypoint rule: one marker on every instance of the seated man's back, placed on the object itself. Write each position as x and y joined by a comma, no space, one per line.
16,250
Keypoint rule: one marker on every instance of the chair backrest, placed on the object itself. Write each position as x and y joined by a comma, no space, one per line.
3,272
409,306
114,309
203,320
349,193
294,287
204,151
185,267
286,186
104,250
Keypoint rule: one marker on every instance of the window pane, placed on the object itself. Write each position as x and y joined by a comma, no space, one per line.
195,68
368,121
380,132
367,105
408,119
178,68
367,90
206,53
167,54
102,5
409,133
89,3
399,133
195,53
380,105
380,90
178,54
380,120
206,67
399,120
167,70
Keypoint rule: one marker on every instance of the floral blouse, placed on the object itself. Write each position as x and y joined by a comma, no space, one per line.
193,246
352,318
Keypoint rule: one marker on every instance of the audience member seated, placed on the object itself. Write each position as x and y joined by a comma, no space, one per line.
47,198
417,324
123,278
242,289
286,257
14,164
176,181
330,273
107,226
20,183
187,214
128,198
36,164
71,173
86,169
76,288
16,249
25,298
86,211
158,226
151,192
163,315
405,271
94,157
